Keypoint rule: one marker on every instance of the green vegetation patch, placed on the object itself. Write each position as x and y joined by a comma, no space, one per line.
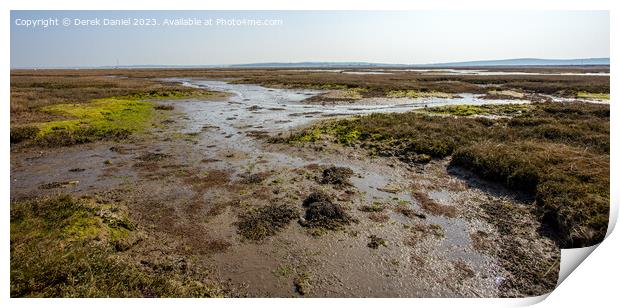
55,239
101,119
589,95
558,153
63,246
114,118
170,94
470,110
102,114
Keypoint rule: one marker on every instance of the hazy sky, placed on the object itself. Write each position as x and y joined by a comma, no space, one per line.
412,37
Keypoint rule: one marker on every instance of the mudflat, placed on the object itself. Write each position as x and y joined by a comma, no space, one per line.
316,183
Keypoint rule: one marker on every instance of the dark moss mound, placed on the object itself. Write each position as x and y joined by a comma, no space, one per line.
321,212
338,176
260,223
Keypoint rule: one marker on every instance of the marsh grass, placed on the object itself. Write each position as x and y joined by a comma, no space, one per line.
588,95
558,153
100,119
470,110
62,246
58,109
31,89
412,84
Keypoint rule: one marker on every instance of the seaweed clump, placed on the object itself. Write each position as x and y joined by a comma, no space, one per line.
338,176
321,212
260,223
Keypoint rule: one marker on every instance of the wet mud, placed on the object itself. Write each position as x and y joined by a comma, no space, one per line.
315,220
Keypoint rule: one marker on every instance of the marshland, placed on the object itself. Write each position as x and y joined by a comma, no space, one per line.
345,182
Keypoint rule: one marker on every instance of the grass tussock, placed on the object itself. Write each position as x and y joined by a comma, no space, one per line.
559,153
62,246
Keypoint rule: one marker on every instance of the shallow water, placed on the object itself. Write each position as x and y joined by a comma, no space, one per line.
231,124
253,110
255,107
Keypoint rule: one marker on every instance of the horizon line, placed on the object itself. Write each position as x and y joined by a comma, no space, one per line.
343,64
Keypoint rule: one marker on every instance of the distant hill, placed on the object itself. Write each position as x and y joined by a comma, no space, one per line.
505,62
323,65
314,64
526,62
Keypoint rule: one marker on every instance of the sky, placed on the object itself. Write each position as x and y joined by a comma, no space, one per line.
403,37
